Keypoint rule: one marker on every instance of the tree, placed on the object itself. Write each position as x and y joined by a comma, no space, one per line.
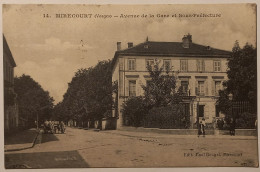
159,93
32,99
242,77
89,94
160,90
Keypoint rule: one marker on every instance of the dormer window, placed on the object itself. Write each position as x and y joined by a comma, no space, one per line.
146,46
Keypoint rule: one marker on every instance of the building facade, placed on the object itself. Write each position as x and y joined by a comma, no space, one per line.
200,71
11,117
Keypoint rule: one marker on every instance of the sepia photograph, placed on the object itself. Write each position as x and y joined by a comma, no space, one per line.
129,86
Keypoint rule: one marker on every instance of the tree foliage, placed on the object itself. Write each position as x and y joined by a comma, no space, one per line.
160,90
89,94
242,77
32,99
134,111
159,93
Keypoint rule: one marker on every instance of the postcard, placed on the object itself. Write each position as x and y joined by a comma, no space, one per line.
129,85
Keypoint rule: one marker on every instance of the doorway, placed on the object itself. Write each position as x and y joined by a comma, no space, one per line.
201,111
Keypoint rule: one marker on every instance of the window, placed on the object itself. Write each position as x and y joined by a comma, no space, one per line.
200,65
184,65
201,88
184,87
217,87
150,62
216,66
131,64
167,65
132,88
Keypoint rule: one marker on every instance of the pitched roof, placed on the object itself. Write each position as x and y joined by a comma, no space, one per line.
172,49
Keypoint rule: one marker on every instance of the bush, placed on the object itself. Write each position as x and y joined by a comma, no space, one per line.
169,117
134,112
246,120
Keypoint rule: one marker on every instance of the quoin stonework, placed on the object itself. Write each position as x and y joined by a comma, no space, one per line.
200,70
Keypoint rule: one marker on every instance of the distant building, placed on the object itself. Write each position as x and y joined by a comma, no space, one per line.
201,71
11,117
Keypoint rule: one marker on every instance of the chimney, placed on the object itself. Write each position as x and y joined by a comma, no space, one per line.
186,41
130,44
118,46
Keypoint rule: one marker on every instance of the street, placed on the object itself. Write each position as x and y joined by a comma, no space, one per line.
79,148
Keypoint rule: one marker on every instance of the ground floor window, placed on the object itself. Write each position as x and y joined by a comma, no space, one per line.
132,88
201,88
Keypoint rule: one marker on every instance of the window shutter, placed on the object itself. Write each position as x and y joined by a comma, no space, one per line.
203,65
138,90
206,112
127,88
206,88
213,88
196,88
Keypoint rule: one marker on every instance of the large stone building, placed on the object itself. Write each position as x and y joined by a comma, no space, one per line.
11,117
200,71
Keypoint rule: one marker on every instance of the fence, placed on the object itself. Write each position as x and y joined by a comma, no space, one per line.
244,114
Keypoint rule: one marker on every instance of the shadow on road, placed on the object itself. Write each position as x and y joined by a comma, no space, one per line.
48,138
22,137
64,159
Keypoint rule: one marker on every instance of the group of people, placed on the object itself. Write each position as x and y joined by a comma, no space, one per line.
220,124
52,126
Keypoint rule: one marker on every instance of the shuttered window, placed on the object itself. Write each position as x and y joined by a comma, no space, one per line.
167,65
200,65
201,88
132,88
150,62
184,65
217,87
184,87
131,64
217,67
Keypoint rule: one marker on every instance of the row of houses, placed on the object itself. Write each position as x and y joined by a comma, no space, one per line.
200,70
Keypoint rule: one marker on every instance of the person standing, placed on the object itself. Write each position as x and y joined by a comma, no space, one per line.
201,127
232,127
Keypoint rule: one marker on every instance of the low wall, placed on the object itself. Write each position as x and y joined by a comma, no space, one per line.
240,132
167,131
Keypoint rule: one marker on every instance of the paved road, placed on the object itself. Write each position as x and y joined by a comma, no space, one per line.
87,148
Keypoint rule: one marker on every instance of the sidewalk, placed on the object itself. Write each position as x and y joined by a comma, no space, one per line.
20,140
147,134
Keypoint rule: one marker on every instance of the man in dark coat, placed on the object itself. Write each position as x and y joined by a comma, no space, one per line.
232,127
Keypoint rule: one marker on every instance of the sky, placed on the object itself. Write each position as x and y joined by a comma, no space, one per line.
50,49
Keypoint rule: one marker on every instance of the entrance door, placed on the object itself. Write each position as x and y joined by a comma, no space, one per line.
201,110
